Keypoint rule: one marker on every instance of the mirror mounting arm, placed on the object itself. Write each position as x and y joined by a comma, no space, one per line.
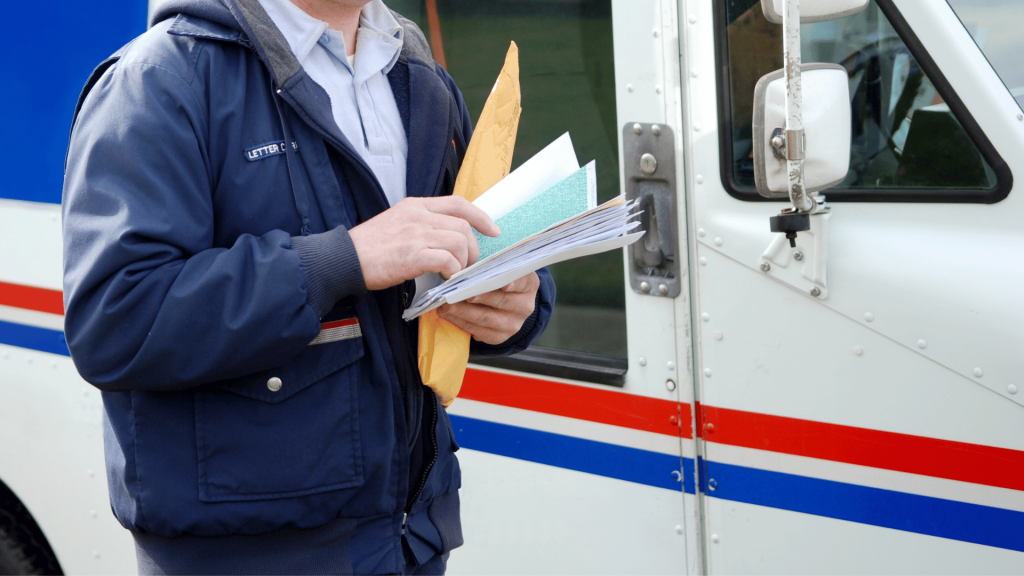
780,159
788,144
796,144
794,113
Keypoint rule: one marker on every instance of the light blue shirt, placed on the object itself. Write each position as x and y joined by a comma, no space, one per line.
361,99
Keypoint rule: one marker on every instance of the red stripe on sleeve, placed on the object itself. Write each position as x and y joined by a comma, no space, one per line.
339,323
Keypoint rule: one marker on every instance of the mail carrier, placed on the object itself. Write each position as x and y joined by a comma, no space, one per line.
811,363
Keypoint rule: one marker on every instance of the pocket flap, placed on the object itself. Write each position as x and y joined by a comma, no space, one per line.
311,365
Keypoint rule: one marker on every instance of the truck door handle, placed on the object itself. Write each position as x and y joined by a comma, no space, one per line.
649,254
650,176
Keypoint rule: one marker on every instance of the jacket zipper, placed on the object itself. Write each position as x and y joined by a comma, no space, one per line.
437,187
433,425
444,164
426,472
352,156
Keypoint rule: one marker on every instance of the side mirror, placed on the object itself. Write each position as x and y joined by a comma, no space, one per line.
826,120
813,10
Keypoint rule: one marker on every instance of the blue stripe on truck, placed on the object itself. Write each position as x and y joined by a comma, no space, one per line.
42,339
950,519
610,460
874,506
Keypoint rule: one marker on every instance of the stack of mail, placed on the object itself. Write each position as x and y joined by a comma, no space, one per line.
547,211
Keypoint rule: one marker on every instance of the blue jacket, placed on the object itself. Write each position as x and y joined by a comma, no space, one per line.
207,198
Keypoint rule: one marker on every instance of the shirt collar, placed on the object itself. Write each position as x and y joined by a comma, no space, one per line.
299,29
378,44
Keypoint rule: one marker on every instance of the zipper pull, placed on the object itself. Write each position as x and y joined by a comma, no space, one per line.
405,516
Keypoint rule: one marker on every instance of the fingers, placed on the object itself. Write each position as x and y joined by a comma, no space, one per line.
517,303
461,208
483,323
419,235
518,297
438,261
439,222
497,299
454,243
509,317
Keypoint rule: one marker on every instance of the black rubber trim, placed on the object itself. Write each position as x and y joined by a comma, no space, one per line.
1004,177
581,366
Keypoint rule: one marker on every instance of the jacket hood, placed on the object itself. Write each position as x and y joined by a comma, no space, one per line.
213,10
250,20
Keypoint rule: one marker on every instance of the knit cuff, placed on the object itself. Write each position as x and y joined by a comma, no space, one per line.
332,268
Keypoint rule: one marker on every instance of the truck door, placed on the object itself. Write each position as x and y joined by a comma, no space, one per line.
873,424
577,455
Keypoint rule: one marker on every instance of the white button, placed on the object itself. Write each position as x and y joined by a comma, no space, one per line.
274,384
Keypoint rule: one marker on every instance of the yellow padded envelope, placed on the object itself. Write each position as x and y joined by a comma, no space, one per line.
443,347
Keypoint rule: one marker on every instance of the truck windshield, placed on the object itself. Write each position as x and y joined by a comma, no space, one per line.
995,26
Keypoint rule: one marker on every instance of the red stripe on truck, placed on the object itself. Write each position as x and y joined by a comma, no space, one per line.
974,463
32,298
572,401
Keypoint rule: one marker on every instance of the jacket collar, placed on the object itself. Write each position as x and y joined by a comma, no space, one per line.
429,101
379,41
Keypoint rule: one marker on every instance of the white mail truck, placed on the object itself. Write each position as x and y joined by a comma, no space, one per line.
813,362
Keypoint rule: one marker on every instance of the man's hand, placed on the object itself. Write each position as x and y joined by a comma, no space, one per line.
419,235
496,316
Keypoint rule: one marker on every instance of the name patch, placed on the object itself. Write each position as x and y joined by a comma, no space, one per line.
266,150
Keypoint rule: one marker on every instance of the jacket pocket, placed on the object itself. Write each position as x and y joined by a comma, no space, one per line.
287,432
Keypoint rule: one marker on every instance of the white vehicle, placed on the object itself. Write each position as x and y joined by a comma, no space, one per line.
714,400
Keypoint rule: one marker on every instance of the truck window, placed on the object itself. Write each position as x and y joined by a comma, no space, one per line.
995,26
568,84
907,143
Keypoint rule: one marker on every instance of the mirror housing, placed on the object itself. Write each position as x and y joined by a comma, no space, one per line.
826,119
813,10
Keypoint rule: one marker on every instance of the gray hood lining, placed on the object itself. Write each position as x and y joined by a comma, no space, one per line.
269,41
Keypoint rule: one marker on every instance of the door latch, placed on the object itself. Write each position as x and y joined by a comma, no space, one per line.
650,176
